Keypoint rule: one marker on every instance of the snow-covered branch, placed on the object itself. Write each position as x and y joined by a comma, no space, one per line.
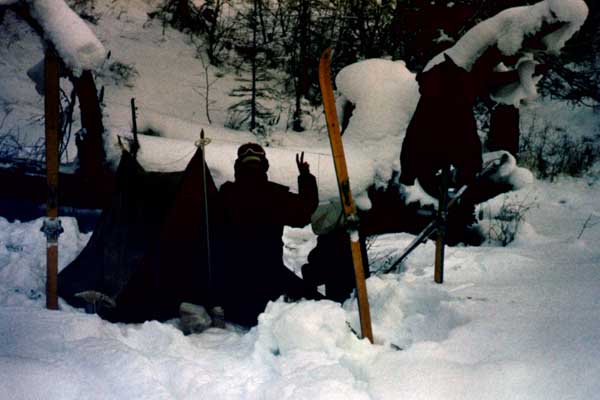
75,42
508,29
517,34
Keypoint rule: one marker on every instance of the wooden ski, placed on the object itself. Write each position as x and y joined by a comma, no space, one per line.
52,227
348,205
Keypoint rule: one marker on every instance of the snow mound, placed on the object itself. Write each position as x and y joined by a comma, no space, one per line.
403,313
385,95
318,326
23,258
509,172
378,87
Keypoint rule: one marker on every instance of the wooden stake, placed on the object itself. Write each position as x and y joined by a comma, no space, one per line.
135,145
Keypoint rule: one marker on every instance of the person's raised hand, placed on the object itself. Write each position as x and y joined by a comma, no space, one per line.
303,166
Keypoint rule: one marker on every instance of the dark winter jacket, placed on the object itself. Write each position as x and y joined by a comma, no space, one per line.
255,213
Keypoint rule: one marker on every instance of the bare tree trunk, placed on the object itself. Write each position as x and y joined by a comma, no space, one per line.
183,13
302,83
254,51
504,129
90,146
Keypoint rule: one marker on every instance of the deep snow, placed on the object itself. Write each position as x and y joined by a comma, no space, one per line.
509,322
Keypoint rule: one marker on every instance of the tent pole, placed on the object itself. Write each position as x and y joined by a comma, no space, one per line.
202,143
52,226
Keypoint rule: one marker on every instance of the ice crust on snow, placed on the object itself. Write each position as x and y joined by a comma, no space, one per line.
75,42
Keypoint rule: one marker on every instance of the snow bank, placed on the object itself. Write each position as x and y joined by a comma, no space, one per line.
75,42
164,154
308,326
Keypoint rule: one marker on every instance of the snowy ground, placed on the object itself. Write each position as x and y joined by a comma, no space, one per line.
516,322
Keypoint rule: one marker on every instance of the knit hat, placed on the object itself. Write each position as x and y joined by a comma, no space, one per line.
252,152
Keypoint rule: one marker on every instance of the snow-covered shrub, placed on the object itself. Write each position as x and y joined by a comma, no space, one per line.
151,131
86,9
550,151
119,74
10,146
15,143
501,221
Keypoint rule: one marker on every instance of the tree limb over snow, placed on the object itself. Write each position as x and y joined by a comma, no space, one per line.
508,29
75,42
507,43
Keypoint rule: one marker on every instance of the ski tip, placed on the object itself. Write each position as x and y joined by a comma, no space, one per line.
326,53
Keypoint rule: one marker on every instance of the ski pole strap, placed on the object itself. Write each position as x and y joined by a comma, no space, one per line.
203,141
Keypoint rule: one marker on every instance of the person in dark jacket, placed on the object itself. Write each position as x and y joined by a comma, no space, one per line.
255,213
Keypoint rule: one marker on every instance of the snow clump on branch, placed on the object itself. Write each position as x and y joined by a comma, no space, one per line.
74,41
508,29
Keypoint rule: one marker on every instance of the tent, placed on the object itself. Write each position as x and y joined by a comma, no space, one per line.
149,251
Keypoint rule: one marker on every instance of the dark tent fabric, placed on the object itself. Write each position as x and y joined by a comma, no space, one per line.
149,250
